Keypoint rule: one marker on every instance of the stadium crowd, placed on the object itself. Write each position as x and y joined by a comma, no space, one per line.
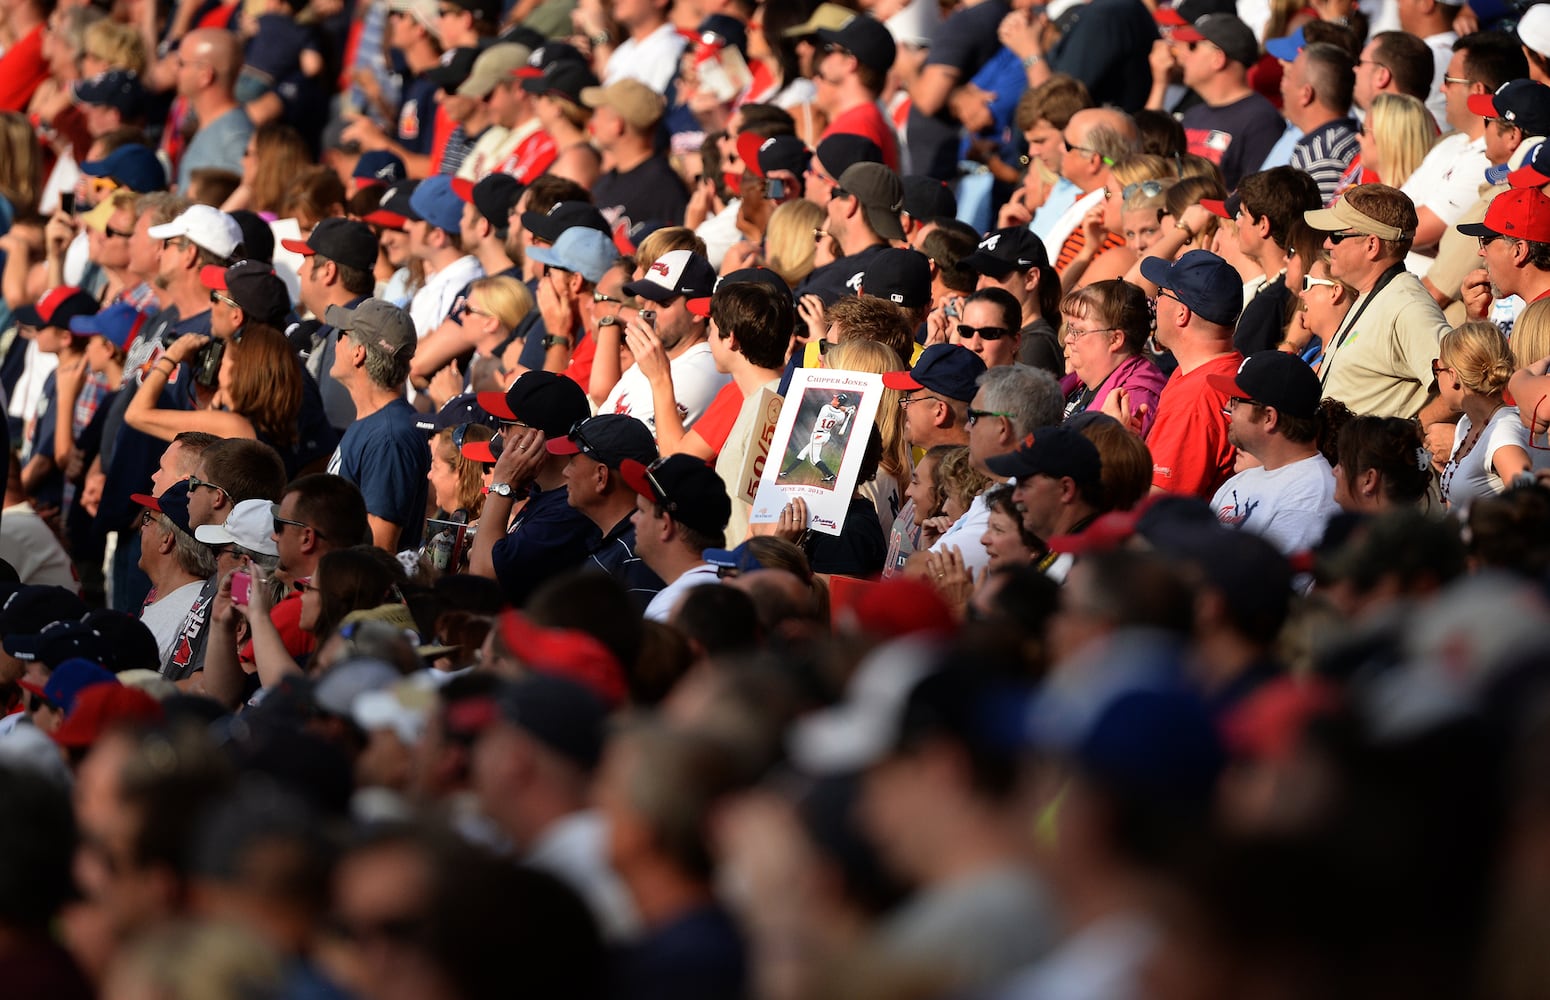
385,610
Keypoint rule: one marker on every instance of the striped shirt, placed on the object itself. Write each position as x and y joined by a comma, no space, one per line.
1326,152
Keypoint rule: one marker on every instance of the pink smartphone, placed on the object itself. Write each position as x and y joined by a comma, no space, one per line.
241,587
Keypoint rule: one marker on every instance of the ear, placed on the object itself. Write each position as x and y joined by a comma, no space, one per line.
1367,483
167,544
1068,490
1381,77
1031,279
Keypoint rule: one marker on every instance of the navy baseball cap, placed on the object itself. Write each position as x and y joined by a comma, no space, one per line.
902,277
254,286
742,276
343,241
866,38
1057,452
29,609
843,150
57,307
1273,378
1005,251
456,412
67,681
950,369
394,208
686,487
453,69
564,78
117,88
609,438
173,503
1524,103
1211,287
131,644
494,196
926,198
60,641
740,559
550,402
133,166
778,152
379,167
562,215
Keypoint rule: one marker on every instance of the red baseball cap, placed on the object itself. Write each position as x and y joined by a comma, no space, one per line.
102,706
570,654
1521,213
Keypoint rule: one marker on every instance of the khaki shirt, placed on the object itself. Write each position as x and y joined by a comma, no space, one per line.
1383,365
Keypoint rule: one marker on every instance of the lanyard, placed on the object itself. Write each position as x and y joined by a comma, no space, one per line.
1333,349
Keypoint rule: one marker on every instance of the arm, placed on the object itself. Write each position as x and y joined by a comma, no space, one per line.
145,416
933,87
1510,461
384,535
265,109
440,346
1024,36
1429,228
518,464
651,361
222,672
371,137
270,657
605,362
67,389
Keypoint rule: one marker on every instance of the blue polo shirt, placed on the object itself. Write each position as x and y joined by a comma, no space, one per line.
615,555
549,537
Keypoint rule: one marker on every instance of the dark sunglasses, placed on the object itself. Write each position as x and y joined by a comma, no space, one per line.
281,522
662,499
1336,239
982,332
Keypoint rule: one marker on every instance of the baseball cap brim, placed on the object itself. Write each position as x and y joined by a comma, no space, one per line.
214,534
1227,386
213,277
300,246
1216,208
1105,534
494,403
1284,49
1476,229
989,265
901,381
698,307
1483,105
634,475
1188,33
36,689
1527,176
562,446
748,144
464,189
146,500
479,451
1157,270
381,217
646,290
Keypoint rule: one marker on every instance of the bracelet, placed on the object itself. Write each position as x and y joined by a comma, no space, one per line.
1030,61
169,361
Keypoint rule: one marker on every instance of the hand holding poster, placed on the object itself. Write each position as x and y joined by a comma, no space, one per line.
819,445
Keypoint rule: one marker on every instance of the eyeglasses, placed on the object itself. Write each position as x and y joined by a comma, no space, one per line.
905,401
1164,293
1072,148
1335,239
1072,333
303,585
175,241
1438,368
832,47
448,11
982,332
467,309
838,192
976,415
194,483
228,551
112,233
575,434
661,499
1455,81
281,522
1489,238
1147,189
147,516
1234,401
217,297
1309,282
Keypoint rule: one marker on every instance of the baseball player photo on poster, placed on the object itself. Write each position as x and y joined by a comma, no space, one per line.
819,445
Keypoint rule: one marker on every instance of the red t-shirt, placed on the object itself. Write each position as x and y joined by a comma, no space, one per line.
287,618
867,120
1188,442
531,158
22,68
580,368
715,424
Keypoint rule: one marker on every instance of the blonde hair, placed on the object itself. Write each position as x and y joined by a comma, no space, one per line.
505,297
470,474
118,45
872,356
1403,132
204,961
21,164
1138,167
1479,355
957,479
666,240
1531,334
788,239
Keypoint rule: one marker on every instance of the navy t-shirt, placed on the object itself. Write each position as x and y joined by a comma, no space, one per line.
698,956
550,537
388,458
1263,323
417,115
1105,45
966,41
652,190
615,555
1236,137
50,492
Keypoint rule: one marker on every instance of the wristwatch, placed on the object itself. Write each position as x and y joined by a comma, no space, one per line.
556,340
501,489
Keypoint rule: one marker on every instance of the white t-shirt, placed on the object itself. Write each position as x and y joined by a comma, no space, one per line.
695,383
1069,220
165,616
434,300
489,149
1441,45
1448,180
1475,475
720,232
661,607
653,60
28,544
966,533
1288,507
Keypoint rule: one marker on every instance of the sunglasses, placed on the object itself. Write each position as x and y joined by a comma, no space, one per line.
577,435
982,332
976,415
281,522
662,498
1309,282
1335,239
217,298
303,585
118,233
195,483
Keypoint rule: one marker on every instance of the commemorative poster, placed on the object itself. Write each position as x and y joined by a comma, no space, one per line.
820,441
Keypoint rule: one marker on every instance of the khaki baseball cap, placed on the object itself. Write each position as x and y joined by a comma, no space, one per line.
494,64
828,15
639,105
1342,215
423,11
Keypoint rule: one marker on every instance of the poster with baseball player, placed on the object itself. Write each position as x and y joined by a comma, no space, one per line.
820,441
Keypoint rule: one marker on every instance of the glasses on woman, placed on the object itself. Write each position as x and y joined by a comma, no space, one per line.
1072,333
1147,189
1309,282
966,331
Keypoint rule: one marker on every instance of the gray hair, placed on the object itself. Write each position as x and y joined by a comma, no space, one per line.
194,557
1032,394
386,370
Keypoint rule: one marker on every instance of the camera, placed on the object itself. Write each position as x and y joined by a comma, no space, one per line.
206,365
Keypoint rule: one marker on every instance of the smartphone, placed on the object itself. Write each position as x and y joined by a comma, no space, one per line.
775,189
67,202
649,317
241,586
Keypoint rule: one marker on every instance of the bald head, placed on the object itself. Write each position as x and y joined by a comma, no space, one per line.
1095,139
212,51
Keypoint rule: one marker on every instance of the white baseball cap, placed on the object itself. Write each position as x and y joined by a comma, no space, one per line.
1534,29
207,227
249,525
